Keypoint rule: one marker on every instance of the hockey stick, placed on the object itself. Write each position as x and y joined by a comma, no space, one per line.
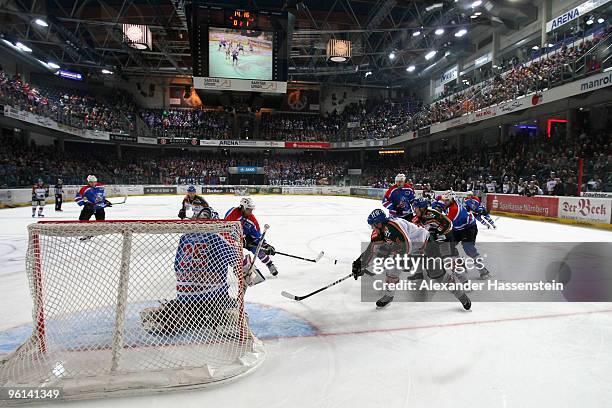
261,240
120,202
298,298
317,259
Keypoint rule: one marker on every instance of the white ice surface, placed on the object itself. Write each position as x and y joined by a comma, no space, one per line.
408,355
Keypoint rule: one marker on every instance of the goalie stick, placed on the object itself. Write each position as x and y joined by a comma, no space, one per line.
317,259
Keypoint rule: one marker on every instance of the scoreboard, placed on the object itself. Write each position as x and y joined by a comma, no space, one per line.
239,50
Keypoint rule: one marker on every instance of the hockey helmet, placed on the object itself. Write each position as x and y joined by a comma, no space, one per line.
377,216
400,178
247,202
420,203
92,179
438,205
191,189
470,193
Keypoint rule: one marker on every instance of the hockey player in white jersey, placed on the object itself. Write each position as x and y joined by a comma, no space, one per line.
39,193
397,236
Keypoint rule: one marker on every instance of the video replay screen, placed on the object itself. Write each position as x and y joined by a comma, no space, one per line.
241,54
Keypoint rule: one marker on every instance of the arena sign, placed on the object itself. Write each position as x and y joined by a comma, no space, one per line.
159,190
243,85
574,13
49,123
585,209
242,143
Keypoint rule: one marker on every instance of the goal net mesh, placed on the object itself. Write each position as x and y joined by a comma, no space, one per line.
135,306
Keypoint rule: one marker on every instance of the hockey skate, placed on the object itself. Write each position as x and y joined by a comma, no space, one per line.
484,274
384,301
465,301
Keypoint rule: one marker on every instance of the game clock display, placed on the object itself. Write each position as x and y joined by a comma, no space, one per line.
242,19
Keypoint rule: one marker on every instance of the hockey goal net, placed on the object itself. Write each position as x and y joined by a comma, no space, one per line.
123,307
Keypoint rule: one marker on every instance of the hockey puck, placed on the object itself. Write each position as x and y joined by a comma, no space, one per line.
335,261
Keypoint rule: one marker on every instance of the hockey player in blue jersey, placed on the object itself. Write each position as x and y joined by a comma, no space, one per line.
464,228
398,197
480,213
92,197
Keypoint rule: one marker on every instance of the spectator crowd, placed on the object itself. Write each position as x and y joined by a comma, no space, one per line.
369,119
67,106
526,164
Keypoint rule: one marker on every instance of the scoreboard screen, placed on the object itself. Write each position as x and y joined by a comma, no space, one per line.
239,50
240,53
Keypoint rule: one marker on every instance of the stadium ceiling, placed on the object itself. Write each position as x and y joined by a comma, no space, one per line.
86,35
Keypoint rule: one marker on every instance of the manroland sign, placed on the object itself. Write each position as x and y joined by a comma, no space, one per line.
598,82
574,13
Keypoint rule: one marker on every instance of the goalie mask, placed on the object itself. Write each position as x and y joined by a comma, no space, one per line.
205,213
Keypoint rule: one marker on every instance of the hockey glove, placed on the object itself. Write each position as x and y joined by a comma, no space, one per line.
268,249
435,235
182,214
107,203
250,242
357,271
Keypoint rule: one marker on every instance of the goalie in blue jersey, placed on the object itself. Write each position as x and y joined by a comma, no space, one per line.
204,296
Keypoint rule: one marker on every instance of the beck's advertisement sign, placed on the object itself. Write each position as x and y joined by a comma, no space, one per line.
585,209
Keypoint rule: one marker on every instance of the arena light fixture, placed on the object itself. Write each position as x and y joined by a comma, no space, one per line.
430,55
416,33
477,3
590,21
23,47
411,68
473,16
107,72
478,13
461,33
367,74
535,48
392,55
41,22
600,20
53,65
439,31
433,7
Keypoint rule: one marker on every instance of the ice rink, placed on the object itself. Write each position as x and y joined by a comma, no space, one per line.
332,350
